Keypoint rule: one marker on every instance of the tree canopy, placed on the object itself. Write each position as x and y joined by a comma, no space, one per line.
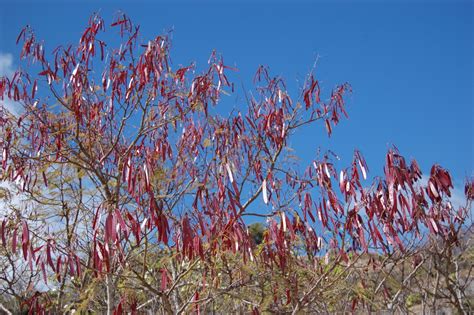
126,190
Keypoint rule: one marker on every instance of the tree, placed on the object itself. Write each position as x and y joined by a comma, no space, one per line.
256,231
134,193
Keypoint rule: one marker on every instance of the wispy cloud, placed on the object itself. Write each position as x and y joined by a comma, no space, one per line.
7,70
6,64
8,192
458,198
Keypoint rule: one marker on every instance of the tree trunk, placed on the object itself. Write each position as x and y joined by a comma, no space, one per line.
110,294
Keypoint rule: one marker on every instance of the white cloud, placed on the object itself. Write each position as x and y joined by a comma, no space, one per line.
8,190
457,199
7,70
6,64
11,106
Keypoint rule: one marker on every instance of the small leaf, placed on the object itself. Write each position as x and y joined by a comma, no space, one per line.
207,143
264,191
164,279
229,172
25,239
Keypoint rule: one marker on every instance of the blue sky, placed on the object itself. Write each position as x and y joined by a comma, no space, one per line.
410,64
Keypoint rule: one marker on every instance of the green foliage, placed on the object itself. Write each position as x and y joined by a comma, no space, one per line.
256,231
413,299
